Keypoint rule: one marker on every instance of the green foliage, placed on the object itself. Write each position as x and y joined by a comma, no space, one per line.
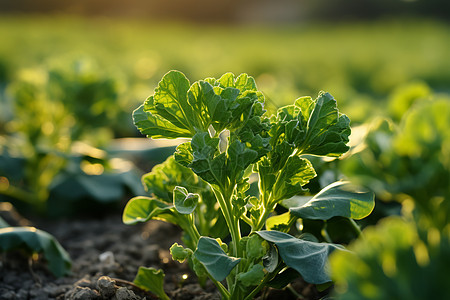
307,258
59,116
229,137
214,259
337,199
395,260
32,240
409,160
151,280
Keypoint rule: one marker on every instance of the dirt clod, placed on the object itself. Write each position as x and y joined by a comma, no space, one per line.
83,293
106,287
123,293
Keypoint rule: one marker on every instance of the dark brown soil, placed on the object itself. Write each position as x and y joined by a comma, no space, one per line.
107,247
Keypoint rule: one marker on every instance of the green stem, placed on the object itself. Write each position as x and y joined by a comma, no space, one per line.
19,194
355,227
266,279
192,229
223,291
264,216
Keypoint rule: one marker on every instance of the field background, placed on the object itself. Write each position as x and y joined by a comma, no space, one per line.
361,63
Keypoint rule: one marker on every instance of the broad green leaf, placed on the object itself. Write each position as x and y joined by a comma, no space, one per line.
150,279
153,126
214,259
184,202
307,258
142,209
252,277
33,240
338,199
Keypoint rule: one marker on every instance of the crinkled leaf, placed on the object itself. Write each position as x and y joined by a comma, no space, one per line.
185,202
34,240
154,126
214,259
307,258
252,277
184,155
338,199
166,176
170,101
239,158
256,247
152,280
327,130
207,162
142,209
213,107
179,253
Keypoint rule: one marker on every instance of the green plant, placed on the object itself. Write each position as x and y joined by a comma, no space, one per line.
59,116
35,241
231,138
395,260
409,160
403,257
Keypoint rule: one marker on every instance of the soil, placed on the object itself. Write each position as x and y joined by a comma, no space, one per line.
106,255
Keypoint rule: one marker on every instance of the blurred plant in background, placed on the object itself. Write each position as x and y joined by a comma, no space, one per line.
59,118
407,161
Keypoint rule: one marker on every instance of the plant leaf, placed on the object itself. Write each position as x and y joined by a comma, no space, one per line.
337,199
270,260
170,101
252,277
153,126
214,259
34,240
152,280
327,130
307,258
185,202
278,221
297,172
142,209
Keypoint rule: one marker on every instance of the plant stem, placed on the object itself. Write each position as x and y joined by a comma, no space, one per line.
266,279
19,194
355,227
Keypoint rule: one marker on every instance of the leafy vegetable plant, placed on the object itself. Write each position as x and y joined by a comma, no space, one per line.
232,235
31,240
